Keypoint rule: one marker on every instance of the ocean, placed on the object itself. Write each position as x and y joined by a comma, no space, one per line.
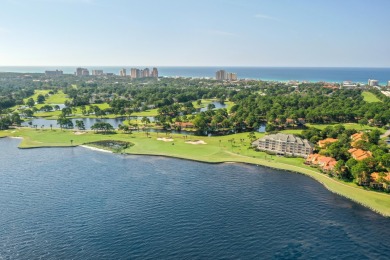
358,75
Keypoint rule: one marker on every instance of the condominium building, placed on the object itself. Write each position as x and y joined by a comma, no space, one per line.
388,83
373,82
54,72
154,73
122,72
284,144
145,73
231,76
133,73
223,75
82,72
97,72
220,75
347,84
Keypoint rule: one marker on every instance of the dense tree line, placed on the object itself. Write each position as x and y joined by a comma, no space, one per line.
256,102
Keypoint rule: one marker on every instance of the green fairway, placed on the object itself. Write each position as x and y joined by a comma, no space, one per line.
36,94
150,112
370,97
348,126
292,131
232,148
58,98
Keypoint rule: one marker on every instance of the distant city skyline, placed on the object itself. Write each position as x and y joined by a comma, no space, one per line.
219,33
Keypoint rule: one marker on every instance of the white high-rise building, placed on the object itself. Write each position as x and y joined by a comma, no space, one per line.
373,82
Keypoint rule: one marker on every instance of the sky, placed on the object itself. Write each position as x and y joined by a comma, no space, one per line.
274,33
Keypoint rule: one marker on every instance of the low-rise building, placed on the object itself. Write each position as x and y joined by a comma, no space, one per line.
380,180
356,138
284,144
349,84
325,163
359,154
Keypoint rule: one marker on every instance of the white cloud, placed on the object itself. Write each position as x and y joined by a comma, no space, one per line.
266,17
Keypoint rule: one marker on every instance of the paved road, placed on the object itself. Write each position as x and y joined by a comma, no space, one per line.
386,134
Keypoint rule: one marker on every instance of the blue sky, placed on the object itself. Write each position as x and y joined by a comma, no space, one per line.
335,33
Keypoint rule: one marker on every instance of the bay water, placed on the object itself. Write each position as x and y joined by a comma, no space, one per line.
76,203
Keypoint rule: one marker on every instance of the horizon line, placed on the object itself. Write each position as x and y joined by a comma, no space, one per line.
198,66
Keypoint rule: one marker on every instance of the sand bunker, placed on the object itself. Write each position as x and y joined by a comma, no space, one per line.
196,142
165,139
78,133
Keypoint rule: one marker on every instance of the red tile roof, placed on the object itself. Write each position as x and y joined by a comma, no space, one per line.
359,154
375,176
323,143
355,138
326,163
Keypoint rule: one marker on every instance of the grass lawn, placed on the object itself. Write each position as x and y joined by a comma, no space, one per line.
150,112
233,148
58,98
36,94
348,126
77,114
370,97
292,131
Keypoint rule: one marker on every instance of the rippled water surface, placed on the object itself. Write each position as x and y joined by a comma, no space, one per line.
74,203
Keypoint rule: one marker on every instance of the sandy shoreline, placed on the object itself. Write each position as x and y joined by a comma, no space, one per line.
95,149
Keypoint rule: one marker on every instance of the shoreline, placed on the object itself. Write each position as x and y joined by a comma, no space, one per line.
281,169
167,72
95,148
375,201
